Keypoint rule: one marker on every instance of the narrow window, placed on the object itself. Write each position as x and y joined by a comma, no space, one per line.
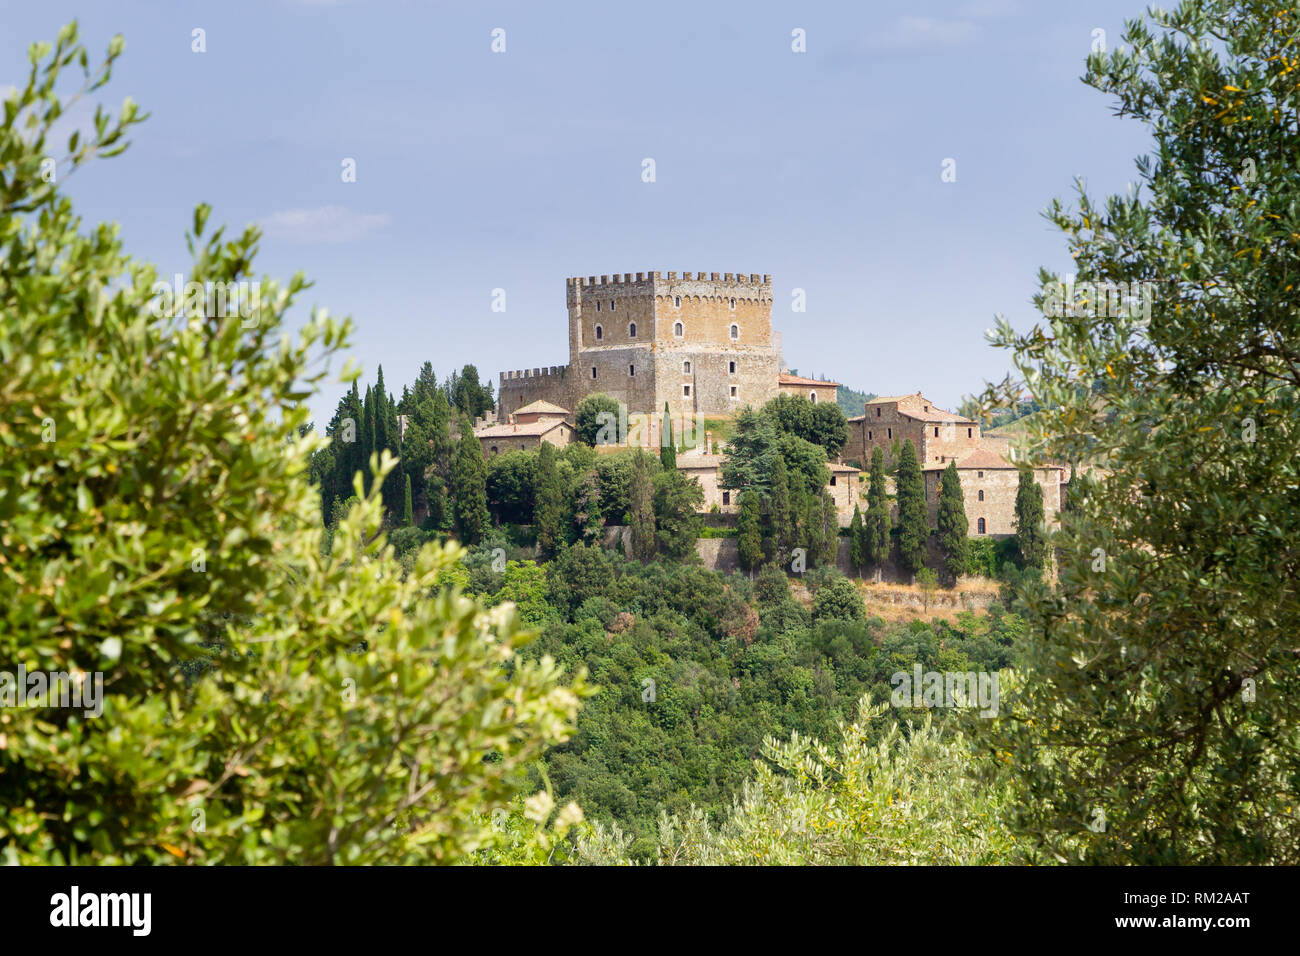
981,494
733,307
733,391
731,367
726,497
832,481
686,390
812,397
593,371
936,431
631,330
679,330
735,332
611,305
677,301
889,430
980,525
686,368
600,333
877,413
631,370
968,433
597,305
868,436
979,474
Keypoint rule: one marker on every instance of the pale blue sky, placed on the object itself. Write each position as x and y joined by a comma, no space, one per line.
478,170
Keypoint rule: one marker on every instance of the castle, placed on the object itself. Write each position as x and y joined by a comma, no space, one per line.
700,343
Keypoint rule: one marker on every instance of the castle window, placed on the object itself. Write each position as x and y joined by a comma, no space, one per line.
726,497
981,494
812,397
631,330
734,391
686,368
611,305
979,525
678,329
686,391
889,430
631,370
968,433
597,305
979,474
877,413
936,431
731,367
735,331
600,333
733,308
677,301
868,436
593,371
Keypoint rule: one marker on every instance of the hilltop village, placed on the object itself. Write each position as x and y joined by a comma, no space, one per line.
699,346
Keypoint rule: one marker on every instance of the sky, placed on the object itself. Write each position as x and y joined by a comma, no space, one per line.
478,170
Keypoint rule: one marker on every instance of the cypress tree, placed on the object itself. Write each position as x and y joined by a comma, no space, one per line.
830,530
857,541
667,447
1031,538
642,508
408,513
876,526
469,487
952,523
750,543
913,533
548,514
783,530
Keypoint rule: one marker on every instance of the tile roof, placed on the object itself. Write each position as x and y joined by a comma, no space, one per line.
787,379
520,430
542,408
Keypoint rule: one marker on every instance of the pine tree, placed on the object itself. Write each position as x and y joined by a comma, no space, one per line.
750,543
952,524
548,514
667,447
469,487
857,541
913,532
408,513
1031,539
642,509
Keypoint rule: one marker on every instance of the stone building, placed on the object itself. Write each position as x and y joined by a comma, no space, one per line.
812,389
939,436
846,490
701,343
988,487
525,429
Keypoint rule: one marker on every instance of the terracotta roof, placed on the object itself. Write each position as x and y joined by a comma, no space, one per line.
541,408
521,430
687,460
921,408
787,379
840,466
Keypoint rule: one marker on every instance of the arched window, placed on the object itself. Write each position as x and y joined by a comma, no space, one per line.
735,331
686,368
597,305
981,494
733,307
494,449
631,330
600,333
677,301
980,525
679,330
731,367
812,397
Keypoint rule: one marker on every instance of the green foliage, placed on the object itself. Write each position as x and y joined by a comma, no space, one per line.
1160,694
550,511
667,447
876,526
510,485
587,418
838,600
160,528
1031,536
857,542
469,487
756,445
851,401
913,531
822,424
750,546
952,524
470,398
641,508
408,513
677,523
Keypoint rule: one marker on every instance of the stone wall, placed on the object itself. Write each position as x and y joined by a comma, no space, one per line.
998,504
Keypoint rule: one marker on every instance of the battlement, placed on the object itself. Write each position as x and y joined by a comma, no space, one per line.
633,278
556,371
